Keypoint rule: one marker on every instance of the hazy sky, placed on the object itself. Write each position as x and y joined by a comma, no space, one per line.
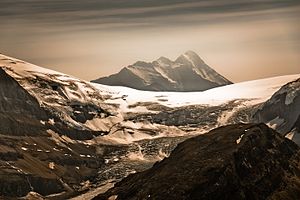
241,39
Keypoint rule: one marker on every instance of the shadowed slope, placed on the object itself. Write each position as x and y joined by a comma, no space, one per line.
232,162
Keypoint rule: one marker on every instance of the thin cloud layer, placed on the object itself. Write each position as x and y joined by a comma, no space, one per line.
129,11
241,39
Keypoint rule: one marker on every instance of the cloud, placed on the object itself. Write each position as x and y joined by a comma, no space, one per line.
114,12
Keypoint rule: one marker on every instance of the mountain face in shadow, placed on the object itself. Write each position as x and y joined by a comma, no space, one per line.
243,161
187,73
282,111
43,123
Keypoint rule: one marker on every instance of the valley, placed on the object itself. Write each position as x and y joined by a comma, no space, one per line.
62,137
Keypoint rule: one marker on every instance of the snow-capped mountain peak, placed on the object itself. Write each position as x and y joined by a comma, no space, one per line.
187,73
163,61
190,57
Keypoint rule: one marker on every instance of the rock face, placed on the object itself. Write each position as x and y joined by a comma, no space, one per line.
282,111
16,107
44,119
187,73
245,161
71,106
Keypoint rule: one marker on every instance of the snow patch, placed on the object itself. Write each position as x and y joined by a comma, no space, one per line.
113,197
290,135
136,155
294,135
98,124
203,73
60,140
51,121
274,123
51,165
290,96
239,139
163,74
24,148
161,155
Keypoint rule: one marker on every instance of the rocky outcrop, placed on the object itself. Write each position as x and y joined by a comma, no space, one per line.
20,184
187,73
16,107
21,114
244,161
282,110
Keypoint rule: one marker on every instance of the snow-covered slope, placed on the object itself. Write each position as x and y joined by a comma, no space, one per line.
76,103
194,112
187,73
256,91
103,109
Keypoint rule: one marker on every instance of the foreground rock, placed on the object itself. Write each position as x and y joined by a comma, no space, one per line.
232,162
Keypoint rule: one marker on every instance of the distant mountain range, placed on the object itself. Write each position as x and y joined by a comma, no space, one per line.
187,73
62,136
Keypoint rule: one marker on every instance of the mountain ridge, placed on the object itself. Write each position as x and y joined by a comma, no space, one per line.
187,73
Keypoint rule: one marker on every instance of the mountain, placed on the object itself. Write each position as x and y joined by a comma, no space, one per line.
187,73
61,136
54,98
282,111
46,119
243,161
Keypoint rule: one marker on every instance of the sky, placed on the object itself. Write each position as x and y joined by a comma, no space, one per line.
240,39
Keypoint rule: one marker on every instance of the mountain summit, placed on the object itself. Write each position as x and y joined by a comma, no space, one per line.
187,73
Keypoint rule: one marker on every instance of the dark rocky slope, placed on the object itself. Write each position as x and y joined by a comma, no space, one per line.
39,150
187,73
30,159
245,161
16,107
282,111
